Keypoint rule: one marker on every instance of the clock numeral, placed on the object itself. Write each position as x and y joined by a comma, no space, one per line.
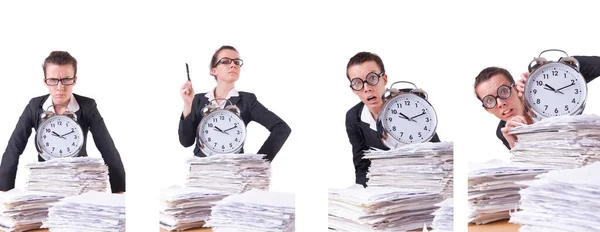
72,129
73,144
68,150
410,137
223,147
407,103
210,124
398,105
208,139
234,124
59,123
401,133
236,139
229,119
67,124
576,91
545,76
390,119
556,110
416,105
427,119
425,128
222,117
205,131
546,107
231,145
238,132
394,112
566,107
420,135
52,125
540,83
572,82
215,145
535,91
538,101
48,130
47,144
423,110
45,135
565,75
394,128
52,148
60,151
214,119
554,73
76,137
573,101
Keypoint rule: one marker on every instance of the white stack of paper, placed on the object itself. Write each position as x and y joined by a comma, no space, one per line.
443,220
254,211
68,176
91,211
493,190
183,208
380,209
424,166
561,200
24,210
233,173
559,142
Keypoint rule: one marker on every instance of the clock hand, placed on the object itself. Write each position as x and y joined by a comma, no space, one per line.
219,130
404,116
417,116
231,128
56,134
553,90
63,136
566,86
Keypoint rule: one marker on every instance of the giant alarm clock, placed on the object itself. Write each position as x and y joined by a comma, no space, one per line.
221,130
59,135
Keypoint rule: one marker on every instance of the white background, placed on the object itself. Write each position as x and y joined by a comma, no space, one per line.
131,61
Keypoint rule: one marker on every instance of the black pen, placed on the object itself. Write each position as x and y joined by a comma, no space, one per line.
187,69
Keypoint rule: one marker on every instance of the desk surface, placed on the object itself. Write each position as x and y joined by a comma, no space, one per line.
192,230
499,226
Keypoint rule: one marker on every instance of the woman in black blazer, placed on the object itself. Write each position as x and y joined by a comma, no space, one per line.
225,68
60,75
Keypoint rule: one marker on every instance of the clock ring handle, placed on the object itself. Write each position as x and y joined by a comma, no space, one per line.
215,100
415,90
67,113
553,50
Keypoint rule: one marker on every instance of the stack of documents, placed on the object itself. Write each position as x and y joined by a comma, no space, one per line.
443,220
233,173
493,191
380,209
561,200
24,210
91,211
254,211
183,208
68,176
559,142
424,167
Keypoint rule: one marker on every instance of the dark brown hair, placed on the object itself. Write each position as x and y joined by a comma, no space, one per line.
488,73
60,58
363,57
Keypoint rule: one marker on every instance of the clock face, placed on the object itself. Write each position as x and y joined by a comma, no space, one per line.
222,132
555,89
59,136
409,118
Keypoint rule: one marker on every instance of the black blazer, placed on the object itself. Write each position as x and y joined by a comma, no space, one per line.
251,110
88,118
362,138
589,66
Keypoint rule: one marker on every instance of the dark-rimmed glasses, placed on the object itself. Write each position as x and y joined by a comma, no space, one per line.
64,81
504,92
226,60
372,79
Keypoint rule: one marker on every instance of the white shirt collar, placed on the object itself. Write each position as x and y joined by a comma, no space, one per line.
211,96
73,106
366,117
